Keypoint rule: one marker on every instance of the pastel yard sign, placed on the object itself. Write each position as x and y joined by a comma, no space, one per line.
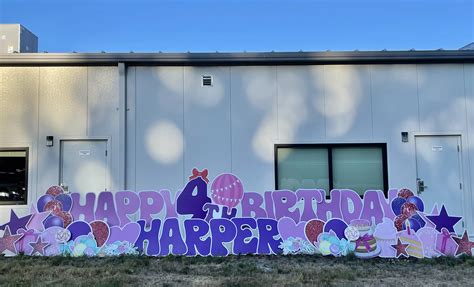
222,218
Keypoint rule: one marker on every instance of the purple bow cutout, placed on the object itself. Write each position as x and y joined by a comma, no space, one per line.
364,240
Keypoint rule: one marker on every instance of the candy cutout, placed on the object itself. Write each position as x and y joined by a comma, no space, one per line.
351,233
63,236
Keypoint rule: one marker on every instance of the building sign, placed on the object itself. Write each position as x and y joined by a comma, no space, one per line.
222,218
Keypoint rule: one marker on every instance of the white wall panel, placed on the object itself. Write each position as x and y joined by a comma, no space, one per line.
442,101
103,114
207,120
348,107
103,101
443,94
18,104
300,103
254,125
19,122
395,110
394,99
159,127
131,129
63,101
62,113
468,149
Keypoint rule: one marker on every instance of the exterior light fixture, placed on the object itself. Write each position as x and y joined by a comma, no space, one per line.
49,141
404,137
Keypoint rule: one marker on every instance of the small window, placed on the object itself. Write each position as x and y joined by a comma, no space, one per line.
206,81
303,168
359,167
13,175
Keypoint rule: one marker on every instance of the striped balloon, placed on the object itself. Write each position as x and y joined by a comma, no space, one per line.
227,190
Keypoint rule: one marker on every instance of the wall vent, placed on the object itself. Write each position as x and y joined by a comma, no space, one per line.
207,81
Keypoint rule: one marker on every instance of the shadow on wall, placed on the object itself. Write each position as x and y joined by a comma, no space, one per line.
255,102
319,101
344,90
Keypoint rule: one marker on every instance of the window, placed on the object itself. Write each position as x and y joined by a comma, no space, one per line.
13,175
303,168
359,167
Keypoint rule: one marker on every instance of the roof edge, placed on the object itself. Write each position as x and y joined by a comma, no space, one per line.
260,58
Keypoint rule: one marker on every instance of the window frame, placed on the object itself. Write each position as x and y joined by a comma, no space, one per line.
27,168
329,147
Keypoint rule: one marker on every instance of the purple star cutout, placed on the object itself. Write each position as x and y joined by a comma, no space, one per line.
401,248
444,220
37,218
38,246
464,245
15,222
7,242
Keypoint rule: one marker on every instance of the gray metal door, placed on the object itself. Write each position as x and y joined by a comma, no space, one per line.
84,165
439,180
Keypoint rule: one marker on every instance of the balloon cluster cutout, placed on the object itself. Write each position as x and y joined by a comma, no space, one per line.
59,204
405,207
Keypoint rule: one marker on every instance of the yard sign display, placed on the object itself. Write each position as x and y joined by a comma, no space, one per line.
222,218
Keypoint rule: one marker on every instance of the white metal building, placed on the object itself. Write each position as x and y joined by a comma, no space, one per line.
15,38
359,120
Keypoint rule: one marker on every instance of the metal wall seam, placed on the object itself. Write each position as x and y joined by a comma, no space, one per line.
122,141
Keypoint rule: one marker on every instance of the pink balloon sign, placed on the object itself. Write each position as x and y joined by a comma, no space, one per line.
227,190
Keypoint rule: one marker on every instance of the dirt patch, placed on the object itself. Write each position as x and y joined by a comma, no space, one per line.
235,271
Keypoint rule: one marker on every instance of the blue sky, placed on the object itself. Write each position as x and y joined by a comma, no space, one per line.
229,26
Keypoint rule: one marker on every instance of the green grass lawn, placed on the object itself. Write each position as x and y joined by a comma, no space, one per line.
235,271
